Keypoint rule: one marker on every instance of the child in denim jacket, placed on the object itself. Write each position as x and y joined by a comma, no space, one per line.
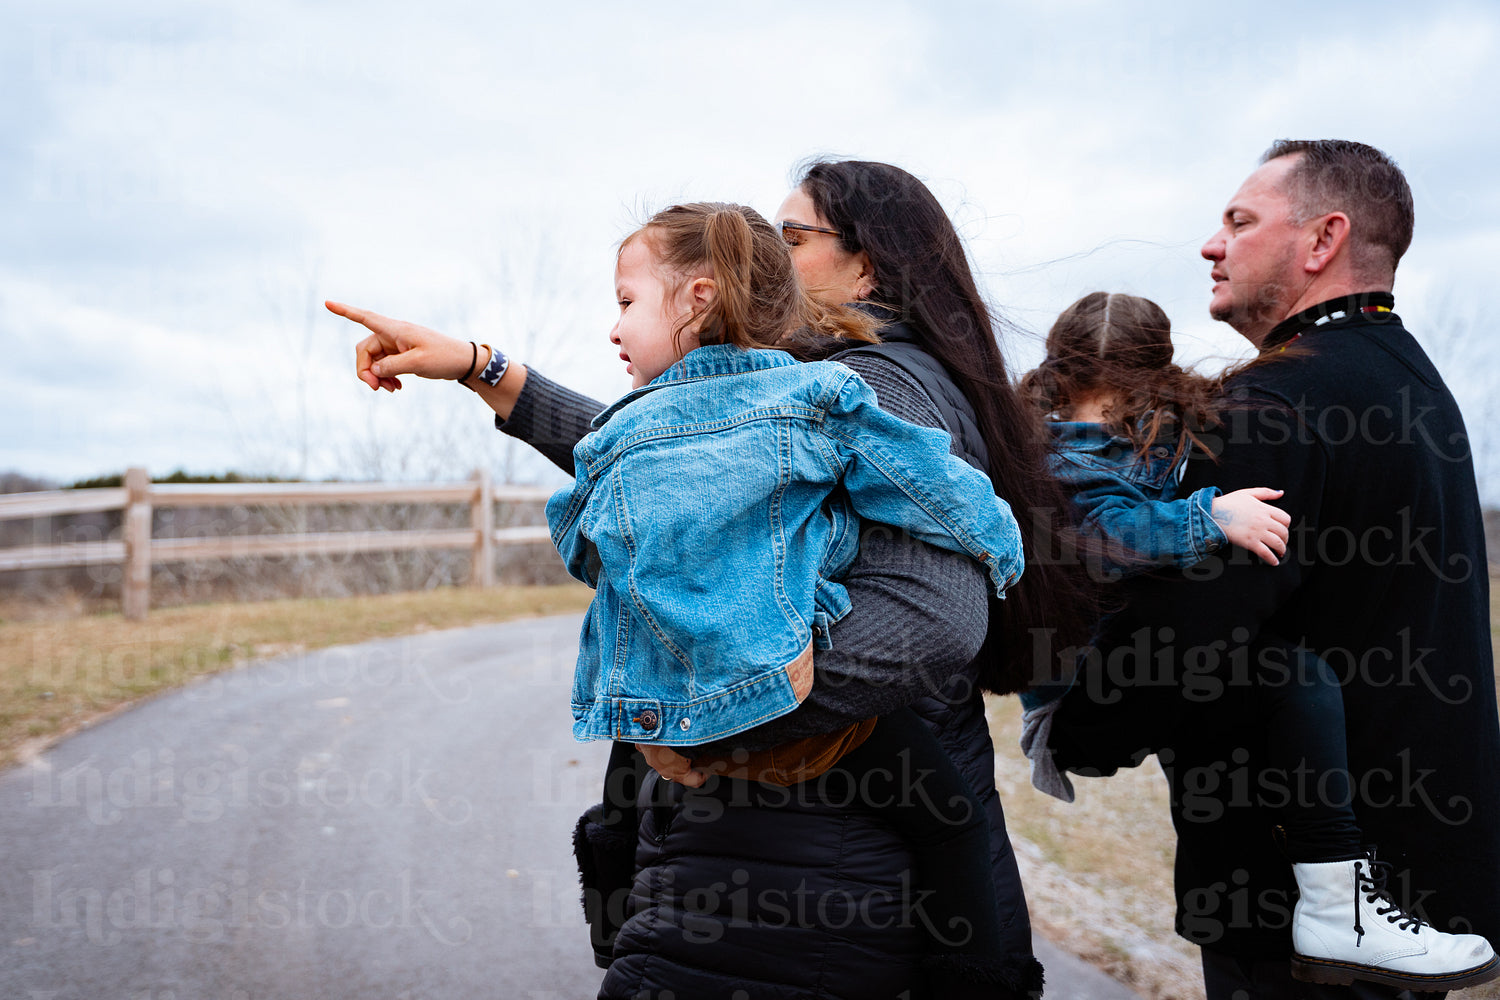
715,507
1125,420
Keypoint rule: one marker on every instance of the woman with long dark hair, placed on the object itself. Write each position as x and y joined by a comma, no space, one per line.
735,889
911,267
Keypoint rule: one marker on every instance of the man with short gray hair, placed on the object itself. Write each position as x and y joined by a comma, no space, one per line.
1385,580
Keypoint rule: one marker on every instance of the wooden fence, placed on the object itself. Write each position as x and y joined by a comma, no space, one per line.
138,551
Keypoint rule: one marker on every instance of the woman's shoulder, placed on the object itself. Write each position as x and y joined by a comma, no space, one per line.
897,392
902,349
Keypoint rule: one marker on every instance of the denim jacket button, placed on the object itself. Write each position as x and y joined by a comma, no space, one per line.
686,724
1161,451
647,719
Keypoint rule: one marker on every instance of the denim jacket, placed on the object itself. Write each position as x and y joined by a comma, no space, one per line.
1127,503
713,511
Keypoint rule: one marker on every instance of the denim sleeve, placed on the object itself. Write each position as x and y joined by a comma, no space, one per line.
1207,536
1138,531
564,511
903,475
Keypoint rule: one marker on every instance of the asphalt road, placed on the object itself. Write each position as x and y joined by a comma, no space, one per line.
390,820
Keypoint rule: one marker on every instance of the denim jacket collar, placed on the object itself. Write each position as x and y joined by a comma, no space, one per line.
1094,446
709,361
1078,435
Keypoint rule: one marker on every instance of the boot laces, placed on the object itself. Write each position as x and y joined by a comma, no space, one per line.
1370,881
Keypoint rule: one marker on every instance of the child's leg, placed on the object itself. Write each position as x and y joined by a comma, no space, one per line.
1346,926
902,774
1301,710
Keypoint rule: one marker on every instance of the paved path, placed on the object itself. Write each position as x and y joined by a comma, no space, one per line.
387,821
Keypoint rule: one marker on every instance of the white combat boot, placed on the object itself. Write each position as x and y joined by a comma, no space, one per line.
1347,927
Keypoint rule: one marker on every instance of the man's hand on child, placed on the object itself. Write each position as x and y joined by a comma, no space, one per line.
1252,523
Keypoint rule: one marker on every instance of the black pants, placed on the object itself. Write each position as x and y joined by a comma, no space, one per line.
1106,722
1228,977
1301,707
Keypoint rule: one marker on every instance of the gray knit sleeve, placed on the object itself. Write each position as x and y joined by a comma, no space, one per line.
918,613
550,418
897,392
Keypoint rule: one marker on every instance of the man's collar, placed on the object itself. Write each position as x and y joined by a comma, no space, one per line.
1343,307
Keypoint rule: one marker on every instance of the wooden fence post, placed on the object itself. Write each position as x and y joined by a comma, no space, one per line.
481,516
136,588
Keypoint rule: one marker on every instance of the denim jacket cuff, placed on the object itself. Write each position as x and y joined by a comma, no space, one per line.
1204,533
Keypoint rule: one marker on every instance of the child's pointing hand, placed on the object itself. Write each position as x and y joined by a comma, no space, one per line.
396,348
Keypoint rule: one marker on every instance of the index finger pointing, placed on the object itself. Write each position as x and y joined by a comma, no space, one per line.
363,317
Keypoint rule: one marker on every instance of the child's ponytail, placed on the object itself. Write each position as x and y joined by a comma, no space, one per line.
759,301
729,246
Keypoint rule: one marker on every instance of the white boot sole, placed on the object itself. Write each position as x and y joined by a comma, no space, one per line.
1333,973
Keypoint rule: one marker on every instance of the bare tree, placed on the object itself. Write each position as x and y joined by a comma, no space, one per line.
531,278
1451,334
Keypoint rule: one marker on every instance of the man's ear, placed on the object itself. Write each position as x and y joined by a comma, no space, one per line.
864,278
1329,237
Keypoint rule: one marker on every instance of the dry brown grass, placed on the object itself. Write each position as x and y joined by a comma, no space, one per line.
1098,872
61,672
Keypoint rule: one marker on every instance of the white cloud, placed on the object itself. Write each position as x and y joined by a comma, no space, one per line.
176,176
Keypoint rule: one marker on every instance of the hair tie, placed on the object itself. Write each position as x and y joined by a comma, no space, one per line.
473,360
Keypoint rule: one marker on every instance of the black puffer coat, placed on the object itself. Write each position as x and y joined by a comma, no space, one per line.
794,897
747,892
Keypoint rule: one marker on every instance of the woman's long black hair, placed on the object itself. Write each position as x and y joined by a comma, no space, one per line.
922,276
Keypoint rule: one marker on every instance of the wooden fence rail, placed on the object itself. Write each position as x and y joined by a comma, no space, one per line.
138,551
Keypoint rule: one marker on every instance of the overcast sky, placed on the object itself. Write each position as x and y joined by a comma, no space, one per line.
182,182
